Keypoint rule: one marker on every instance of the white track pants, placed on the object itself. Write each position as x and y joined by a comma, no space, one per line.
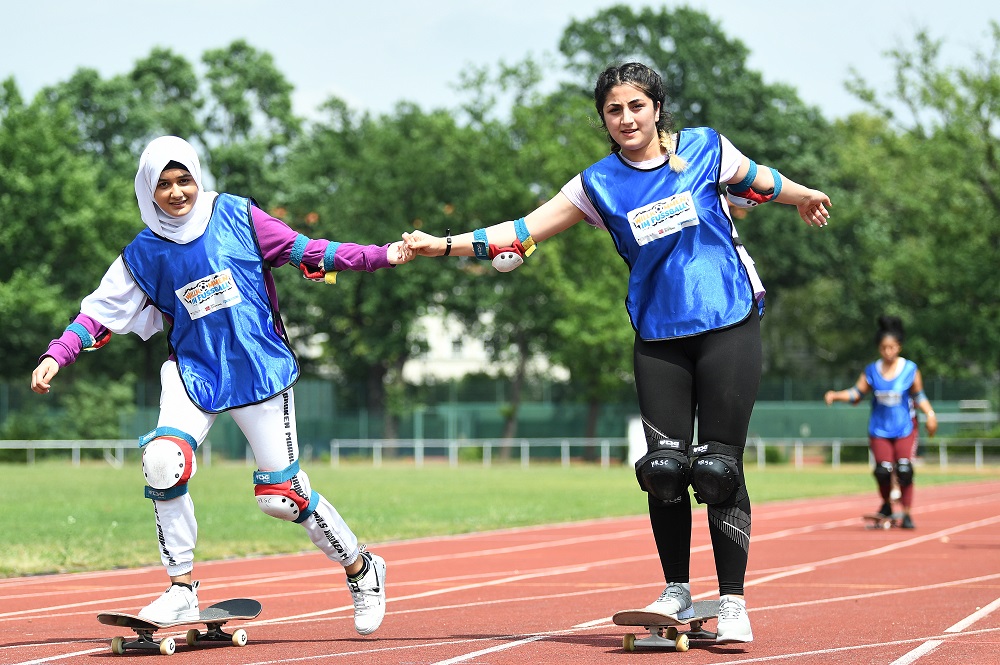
270,429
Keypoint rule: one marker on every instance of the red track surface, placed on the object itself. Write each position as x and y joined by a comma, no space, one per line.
821,589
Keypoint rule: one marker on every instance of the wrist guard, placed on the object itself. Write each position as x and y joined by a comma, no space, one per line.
505,259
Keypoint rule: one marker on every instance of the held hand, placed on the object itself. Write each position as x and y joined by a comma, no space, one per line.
828,397
43,374
813,208
399,253
424,244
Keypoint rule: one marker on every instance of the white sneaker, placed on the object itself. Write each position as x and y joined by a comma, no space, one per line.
369,595
178,604
675,601
734,622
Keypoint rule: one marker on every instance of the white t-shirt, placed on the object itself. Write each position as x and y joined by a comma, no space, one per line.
573,190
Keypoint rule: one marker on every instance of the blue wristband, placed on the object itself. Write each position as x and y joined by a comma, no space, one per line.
521,229
86,339
298,249
481,244
328,255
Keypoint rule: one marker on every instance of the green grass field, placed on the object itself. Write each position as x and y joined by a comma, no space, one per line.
60,518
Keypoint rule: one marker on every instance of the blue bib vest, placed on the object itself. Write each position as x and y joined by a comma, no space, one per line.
685,275
891,416
228,350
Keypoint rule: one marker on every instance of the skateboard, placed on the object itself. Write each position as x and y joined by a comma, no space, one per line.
213,616
880,521
662,628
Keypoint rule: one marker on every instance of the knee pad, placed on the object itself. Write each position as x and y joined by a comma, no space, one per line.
715,472
883,474
278,496
904,472
168,462
663,471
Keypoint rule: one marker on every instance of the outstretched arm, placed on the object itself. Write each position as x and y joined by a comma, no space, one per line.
756,184
852,394
552,217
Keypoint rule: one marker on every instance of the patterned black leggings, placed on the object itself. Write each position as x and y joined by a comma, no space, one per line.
714,376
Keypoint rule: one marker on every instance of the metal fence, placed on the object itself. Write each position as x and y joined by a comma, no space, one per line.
606,452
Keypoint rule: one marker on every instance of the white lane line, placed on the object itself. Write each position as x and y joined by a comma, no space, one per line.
931,645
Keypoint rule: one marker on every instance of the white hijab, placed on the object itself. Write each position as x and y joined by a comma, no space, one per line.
155,157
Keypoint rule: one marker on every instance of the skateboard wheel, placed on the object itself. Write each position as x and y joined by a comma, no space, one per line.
682,643
168,646
118,645
628,642
671,633
192,637
240,638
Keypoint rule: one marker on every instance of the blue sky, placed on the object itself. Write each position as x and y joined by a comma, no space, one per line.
374,55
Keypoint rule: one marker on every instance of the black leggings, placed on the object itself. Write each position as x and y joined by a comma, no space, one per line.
716,376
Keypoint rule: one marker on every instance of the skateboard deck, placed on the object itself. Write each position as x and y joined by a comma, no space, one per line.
880,521
662,628
214,617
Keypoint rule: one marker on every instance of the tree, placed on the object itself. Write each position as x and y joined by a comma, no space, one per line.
249,123
924,174
367,179
60,229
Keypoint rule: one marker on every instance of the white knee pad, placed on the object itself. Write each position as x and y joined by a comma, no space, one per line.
168,462
278,496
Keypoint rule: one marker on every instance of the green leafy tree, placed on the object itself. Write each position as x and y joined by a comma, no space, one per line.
60,229
363,179
923,177
249,123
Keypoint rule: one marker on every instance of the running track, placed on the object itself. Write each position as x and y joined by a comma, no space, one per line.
821,589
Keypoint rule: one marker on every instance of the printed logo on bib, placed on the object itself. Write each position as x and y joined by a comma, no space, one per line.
204,296
663,217
889,397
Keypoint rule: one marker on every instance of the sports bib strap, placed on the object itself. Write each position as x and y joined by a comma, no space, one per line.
276,477
168,431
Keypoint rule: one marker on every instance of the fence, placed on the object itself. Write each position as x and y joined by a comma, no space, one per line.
799,452
114,449
598,449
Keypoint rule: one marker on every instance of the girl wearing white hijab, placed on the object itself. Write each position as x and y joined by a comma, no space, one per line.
203,267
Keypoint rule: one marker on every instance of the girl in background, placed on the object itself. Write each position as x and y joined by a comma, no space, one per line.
897,388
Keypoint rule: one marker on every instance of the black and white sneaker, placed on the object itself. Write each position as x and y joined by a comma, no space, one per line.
369,595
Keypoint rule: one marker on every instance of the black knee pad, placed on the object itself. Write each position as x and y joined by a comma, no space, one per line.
663,470
883,474
904,472
715,473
